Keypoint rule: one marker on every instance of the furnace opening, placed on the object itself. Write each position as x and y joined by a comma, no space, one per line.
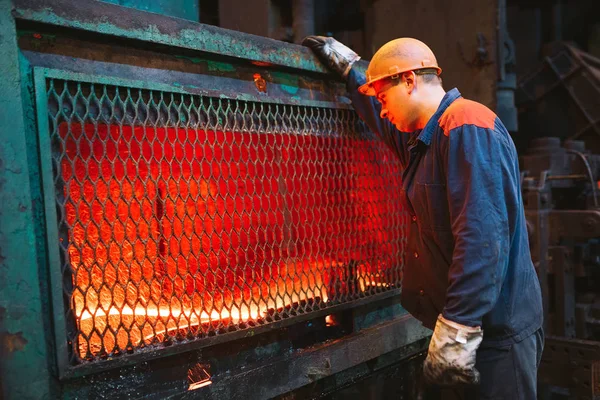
182,217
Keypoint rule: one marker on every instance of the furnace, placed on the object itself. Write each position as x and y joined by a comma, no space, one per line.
183,216
209,210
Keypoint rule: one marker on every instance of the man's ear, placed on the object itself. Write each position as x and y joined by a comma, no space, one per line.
409,80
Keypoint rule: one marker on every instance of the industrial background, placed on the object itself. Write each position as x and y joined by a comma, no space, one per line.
192,209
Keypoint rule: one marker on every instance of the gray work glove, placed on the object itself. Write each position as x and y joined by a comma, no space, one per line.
336,56
452,351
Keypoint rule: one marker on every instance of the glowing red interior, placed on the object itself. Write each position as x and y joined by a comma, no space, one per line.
172,229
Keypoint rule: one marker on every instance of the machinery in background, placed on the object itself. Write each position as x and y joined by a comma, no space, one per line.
559,116
563,219
561,98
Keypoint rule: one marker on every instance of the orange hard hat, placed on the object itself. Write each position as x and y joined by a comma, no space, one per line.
395,57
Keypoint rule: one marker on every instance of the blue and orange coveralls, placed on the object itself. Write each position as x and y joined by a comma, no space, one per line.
467,254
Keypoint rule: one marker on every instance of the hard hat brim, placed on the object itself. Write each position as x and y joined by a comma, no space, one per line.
367,89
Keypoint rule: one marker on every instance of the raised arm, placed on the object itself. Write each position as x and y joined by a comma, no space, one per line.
342,60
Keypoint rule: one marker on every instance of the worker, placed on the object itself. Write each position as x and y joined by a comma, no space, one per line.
468,273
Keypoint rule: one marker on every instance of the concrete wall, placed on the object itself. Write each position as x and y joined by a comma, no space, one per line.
447,27
253,17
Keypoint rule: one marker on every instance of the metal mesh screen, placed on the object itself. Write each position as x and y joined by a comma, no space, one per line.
182,216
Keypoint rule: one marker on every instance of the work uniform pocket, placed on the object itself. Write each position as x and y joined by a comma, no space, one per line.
431,201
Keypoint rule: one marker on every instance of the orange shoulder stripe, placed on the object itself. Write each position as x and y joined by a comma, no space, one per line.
466,112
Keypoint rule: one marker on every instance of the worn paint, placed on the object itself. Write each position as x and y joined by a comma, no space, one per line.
181,71
113,20
11,342
25,374
288,83
289,89
312,93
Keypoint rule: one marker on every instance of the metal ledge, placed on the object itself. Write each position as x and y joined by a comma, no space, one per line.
343,360
120,22
304,368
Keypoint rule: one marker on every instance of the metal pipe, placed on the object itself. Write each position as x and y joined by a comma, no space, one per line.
589,172
557,21
303,12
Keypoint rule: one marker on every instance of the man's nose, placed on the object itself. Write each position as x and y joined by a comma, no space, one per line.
384,113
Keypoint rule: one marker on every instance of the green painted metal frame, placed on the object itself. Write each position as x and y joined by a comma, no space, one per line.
208,40
26,354
65,369
175,88
108,19
52,240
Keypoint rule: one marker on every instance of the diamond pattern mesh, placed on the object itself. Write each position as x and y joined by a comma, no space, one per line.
182,216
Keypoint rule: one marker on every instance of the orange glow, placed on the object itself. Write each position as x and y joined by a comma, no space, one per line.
198,377
199,385
184,232
329,320
260,83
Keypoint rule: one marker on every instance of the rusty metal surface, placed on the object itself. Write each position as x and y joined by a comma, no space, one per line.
113,20
536,213
25,354
461,33
217,77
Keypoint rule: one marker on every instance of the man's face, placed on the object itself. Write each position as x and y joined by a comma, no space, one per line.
396,105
